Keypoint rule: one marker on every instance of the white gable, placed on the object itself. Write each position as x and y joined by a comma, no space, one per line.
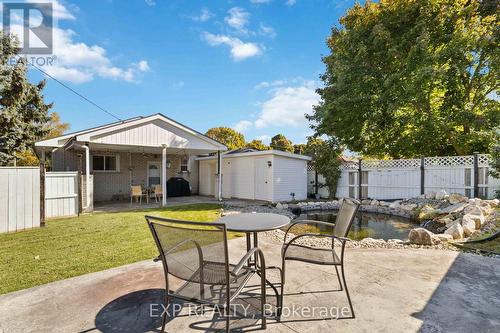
154,133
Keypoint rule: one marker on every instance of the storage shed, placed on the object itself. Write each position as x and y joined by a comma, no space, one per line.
269,175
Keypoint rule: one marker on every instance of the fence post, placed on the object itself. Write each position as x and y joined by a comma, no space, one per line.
42,194
359,178
476,175
422,175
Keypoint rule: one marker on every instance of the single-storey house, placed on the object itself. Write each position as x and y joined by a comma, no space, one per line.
269,175
138,151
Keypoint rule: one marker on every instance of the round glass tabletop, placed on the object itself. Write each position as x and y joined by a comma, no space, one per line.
254,222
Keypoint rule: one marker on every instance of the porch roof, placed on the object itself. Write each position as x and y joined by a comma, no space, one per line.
140,134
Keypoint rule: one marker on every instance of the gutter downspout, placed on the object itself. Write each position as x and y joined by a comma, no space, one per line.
87,175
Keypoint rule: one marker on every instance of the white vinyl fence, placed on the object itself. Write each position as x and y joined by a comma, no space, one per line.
61,194
19,198
406,178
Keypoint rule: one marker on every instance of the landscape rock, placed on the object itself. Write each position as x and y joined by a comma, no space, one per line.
421,236
468,225
456,231
455,198
444,237
455,208
428,212
279,206
440,195
430,195
478,220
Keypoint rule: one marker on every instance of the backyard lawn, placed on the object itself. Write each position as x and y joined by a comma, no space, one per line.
78,245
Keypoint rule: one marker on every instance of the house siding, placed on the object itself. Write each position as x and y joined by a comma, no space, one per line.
289,175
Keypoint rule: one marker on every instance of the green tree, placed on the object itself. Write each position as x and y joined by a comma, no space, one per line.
299,148
257,144
412,77
55,127
23,112
280,142
227,136
326,161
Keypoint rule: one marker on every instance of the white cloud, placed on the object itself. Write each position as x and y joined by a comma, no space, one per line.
288,105
143,66
290,2
260,1
150,2
78,62
265,30
238,19
59,11
242,126
204,16
266,84
239,49
266,139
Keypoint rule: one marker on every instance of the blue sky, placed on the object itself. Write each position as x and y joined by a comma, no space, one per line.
252,64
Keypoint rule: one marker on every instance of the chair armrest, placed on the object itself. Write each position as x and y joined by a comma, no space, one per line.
308,222
157,259
247,256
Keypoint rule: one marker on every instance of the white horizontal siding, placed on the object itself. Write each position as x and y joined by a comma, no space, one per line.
289,175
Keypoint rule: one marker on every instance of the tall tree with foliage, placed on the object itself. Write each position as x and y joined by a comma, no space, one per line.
55,127
23,112
326,161
412,77
280,142
257,144
227,136
299,148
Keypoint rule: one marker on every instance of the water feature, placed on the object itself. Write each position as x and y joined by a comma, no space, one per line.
368,224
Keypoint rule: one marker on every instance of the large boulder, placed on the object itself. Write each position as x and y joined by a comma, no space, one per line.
430,195
456,198
468,225
477,219
421,236
456,231
408,207
441,195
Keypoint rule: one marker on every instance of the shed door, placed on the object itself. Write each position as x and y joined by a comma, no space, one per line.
262,179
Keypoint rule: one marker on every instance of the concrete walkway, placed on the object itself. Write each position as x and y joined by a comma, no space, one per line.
392,291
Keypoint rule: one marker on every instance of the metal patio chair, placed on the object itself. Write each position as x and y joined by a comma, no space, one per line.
303,229
197,254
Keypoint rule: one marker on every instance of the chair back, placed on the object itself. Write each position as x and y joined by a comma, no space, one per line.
135,190
192,251
158,189
345,217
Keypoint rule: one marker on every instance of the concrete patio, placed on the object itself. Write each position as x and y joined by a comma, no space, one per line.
392,291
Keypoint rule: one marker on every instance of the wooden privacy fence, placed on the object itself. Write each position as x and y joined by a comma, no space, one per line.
406,178
19,198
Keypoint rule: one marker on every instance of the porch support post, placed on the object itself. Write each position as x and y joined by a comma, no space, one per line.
87,175
219,175
164,176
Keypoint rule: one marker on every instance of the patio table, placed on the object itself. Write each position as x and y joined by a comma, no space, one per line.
252,224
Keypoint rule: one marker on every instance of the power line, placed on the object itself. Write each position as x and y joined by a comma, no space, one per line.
76,93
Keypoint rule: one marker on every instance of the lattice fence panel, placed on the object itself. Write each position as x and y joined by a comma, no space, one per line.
349,166
449,161
483,160
391,164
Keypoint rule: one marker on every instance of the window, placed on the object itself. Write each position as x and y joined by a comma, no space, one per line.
105,163
184,164
352,184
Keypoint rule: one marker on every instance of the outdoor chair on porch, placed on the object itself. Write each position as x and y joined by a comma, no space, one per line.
298,250
197,254
137,193
157,192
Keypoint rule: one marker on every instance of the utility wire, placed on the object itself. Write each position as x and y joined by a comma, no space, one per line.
76,93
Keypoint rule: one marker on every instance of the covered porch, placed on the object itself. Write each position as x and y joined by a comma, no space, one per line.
146,152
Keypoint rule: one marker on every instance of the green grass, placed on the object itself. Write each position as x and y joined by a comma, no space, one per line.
74,246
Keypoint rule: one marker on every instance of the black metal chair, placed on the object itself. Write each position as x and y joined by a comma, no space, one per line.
296,250
197,254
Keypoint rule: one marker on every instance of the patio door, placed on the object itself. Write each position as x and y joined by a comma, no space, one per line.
154,173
